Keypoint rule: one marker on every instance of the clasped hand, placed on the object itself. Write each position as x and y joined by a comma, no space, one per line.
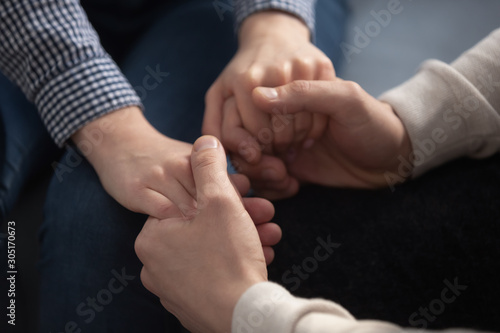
362,140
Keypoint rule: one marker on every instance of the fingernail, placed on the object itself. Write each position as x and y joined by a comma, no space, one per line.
270,174
308,143
205,142
269,93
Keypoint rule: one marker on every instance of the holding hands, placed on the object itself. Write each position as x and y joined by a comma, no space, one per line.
274,49
199,266
285,119
362,140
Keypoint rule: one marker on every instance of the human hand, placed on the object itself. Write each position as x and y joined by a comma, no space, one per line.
139,167
363,138
200,266
274,49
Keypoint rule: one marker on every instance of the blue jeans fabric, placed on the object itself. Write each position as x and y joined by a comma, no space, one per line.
89,271
25,144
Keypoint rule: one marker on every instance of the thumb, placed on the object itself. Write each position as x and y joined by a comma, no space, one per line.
327,97
209,166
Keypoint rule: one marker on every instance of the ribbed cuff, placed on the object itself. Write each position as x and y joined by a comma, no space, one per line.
268,307
445,115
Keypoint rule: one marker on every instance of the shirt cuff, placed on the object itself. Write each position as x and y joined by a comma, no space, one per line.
445,115
303,9
82,94
268,307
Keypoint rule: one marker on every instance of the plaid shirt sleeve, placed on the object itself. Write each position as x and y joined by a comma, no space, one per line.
303,9
50,50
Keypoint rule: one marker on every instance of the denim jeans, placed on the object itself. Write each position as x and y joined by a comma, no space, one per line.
89,271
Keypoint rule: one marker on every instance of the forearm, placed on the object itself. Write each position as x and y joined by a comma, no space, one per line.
102,137
50,50
452,110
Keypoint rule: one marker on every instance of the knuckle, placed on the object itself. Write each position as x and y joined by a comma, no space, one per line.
182,163
354,89
221,199
324,68
207,161
249,79
300,87
146,280
211,92
157,172
141,245
305,64
325,64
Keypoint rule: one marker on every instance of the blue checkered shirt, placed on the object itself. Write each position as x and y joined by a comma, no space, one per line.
50,50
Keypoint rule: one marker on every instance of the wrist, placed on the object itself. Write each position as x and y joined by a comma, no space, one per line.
271,24
96,139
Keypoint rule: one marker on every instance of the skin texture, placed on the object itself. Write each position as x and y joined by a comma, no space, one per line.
266,57
363,138
200,266
142,169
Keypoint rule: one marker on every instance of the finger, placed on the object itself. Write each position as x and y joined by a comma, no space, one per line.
316,131
254,120
288,132
269,178
155,204
142,241
235,138
148,283
325,97
303,69
289,189
260,210
268,254
269,234
241,183
302,125
324,72
270,168
212,119
208,162
178,194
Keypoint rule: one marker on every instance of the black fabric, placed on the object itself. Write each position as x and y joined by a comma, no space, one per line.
398,248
